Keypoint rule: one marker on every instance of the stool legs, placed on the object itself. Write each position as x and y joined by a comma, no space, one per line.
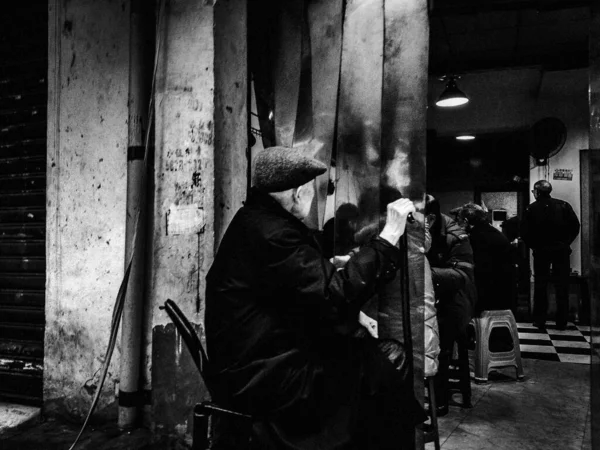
431,433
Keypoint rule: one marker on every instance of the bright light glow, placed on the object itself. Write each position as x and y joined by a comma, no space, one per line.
270,115
453,101
465,137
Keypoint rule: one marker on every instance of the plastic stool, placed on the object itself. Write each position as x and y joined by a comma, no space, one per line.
483,359
430,430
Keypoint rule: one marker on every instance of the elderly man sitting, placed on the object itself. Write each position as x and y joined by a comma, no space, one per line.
494,269
280,322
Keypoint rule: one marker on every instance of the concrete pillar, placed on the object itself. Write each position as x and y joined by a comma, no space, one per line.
87,161
199,183
231,110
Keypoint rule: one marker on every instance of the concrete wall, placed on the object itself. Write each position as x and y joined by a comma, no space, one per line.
512,99
87,162
183,234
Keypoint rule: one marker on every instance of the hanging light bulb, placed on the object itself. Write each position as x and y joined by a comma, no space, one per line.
452,95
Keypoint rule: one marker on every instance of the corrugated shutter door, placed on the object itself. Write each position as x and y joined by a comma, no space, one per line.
23,108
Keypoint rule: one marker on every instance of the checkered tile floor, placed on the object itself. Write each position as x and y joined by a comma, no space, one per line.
570,345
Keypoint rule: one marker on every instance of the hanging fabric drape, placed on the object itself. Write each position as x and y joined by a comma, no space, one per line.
349,77
403,150
325,28
287,70
358,165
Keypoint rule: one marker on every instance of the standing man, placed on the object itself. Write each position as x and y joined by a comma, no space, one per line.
548,228
281,322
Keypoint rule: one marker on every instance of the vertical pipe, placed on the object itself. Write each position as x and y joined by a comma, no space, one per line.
140,64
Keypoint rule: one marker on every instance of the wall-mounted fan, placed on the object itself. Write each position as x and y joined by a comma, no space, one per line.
548,136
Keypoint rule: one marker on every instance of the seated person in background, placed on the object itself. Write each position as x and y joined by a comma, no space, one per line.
510,228
431,330
338,232
494,269
452,270
416,249
274,306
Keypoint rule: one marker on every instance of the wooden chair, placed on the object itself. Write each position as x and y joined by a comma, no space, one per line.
206,410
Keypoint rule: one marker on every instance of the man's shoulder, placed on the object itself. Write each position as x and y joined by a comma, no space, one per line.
454,231
562,203
265,224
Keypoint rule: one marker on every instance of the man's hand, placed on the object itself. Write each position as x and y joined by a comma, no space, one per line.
339,261
369,324
396,220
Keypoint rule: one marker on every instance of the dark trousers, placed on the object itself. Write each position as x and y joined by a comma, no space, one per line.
560,263
451,329
363,400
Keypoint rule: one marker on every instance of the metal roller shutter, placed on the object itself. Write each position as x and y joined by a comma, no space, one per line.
23,108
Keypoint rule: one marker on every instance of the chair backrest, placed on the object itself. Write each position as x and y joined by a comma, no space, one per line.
191,339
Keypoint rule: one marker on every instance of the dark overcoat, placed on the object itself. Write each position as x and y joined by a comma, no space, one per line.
452,270
279,327
494,269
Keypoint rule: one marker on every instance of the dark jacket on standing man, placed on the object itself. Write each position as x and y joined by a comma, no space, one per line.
549,224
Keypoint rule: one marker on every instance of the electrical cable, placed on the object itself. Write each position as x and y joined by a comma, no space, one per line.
120,300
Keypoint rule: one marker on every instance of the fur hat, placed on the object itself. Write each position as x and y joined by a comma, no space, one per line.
277,169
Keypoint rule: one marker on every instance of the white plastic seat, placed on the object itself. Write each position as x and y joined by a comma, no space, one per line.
482,359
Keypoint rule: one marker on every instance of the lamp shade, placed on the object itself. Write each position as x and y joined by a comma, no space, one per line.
452,96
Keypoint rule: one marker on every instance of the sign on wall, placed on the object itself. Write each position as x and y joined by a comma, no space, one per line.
563,174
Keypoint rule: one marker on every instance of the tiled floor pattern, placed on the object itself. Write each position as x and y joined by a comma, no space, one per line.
548,410
570,345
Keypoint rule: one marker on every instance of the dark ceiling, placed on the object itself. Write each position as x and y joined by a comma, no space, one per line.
478,35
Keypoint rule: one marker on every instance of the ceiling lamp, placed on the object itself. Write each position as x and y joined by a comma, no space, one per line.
452,95
465,137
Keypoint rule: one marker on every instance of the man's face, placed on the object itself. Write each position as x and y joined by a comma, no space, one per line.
462,222
535,193
430,220
303,200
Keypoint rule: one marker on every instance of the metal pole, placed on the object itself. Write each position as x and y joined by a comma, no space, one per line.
141,46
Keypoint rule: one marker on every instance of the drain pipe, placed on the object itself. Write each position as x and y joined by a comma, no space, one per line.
141,46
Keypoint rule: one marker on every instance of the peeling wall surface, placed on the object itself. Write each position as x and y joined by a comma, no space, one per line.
183,234
86,194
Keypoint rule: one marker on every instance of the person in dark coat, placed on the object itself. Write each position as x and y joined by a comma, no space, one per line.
452,271
494,268
549,227
281,321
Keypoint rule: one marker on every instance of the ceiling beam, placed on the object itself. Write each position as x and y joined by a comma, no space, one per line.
576,57
457,7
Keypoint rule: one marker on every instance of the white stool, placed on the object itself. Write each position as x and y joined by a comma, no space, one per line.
482,359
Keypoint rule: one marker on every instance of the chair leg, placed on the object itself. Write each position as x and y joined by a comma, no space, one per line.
465,374
517,348
200,430
482,350
433,435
